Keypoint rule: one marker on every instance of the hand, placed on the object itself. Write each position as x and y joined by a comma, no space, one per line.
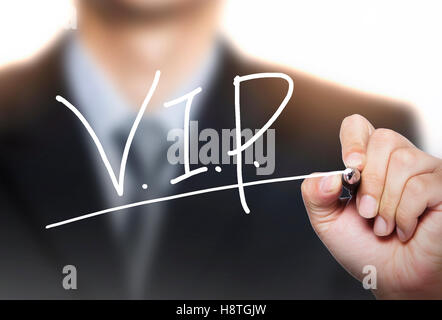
395,221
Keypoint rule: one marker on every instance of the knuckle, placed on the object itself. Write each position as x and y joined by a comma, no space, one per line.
415,186
383,135
404,157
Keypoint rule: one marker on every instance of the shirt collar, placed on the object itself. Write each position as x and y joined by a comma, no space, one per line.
106,110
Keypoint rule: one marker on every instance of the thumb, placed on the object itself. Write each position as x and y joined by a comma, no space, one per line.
321,199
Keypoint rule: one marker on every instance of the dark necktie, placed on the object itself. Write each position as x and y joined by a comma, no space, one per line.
145,166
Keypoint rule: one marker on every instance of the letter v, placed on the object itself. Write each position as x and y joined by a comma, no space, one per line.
118,185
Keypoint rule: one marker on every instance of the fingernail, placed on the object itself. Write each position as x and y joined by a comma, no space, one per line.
368,206
380,226
330,183
354,160
401,235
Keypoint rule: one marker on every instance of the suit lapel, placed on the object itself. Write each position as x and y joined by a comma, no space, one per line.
51,175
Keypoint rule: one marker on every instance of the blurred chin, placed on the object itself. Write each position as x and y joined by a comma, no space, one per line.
137,10
153,5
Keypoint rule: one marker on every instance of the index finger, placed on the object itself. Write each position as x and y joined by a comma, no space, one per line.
354,135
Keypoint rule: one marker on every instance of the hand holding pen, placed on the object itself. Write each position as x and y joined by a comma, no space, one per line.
393,222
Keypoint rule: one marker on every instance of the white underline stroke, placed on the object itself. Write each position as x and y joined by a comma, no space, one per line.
189,194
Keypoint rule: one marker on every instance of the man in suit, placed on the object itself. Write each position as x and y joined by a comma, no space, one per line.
203,246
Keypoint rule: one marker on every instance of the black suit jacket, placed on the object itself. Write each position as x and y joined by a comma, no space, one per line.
207,247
